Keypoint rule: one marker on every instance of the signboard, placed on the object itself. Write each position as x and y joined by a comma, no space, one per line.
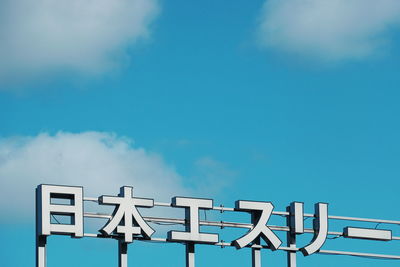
126,224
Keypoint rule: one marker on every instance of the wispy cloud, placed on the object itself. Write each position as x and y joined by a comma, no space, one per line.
41,37
330,30
101,162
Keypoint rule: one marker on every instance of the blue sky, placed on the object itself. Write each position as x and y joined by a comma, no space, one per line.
220,99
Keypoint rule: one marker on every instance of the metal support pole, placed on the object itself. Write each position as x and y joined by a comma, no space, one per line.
256,257
41,241
256,252
190,255
291,255
291,240
122,254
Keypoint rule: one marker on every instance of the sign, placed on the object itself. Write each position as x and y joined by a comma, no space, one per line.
127,224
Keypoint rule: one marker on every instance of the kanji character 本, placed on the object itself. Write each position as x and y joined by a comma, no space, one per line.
70,205
126,219
260,214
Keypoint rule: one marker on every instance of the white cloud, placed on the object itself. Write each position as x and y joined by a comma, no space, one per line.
85,36
330,29
101,162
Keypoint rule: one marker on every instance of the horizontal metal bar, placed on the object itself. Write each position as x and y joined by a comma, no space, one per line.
363,220
358,254
90,235
162,204
280,213
97,215
92,199
227,244
221,224
223,208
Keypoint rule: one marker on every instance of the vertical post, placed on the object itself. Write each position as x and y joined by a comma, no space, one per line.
256,252
190,254
41,250
256,255
122,254
295,222
291,239
41,240
291,255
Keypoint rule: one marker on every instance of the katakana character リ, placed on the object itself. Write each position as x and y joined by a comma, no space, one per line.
320,225
126,219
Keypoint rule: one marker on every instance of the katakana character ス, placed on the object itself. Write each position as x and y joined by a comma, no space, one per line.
260,214
126,219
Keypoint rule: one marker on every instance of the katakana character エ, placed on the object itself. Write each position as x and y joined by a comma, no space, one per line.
192,207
